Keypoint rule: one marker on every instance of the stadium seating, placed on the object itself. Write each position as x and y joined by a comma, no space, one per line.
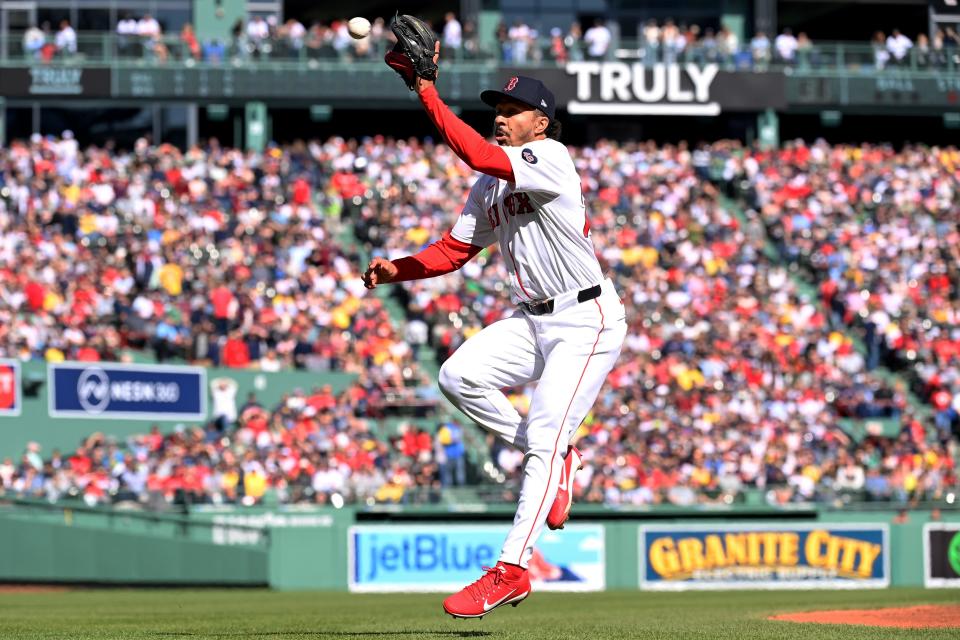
734,379
877,229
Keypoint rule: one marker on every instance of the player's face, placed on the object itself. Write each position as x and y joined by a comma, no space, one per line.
517,123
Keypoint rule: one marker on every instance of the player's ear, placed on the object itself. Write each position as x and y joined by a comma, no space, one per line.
540,126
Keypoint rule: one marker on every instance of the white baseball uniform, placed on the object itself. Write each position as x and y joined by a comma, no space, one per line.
541,224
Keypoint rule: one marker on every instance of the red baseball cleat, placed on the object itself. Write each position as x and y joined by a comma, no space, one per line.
500,585
560,510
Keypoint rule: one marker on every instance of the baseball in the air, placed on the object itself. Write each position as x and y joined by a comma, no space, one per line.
358,27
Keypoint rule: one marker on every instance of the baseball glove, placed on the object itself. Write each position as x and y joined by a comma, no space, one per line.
412,56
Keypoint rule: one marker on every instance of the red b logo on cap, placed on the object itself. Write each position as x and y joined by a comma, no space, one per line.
511,84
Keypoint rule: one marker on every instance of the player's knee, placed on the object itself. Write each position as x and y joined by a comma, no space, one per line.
450,379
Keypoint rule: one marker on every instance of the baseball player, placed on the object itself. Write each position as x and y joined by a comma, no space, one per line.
566,332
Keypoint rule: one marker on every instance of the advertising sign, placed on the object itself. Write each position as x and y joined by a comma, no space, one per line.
439,557
764,556
121,391
622,88
941,555
54,80
10,400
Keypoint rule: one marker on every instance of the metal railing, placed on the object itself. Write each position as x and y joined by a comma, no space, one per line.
130,516
829,57
493,498
841,58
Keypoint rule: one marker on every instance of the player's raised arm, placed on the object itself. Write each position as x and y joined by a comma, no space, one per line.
415,58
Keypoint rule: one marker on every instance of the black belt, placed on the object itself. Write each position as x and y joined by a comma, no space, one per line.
539,308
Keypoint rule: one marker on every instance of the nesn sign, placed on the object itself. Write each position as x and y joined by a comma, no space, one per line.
121,391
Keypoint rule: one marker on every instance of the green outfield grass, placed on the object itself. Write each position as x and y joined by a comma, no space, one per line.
245,614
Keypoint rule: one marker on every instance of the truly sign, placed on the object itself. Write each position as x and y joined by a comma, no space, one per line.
637,89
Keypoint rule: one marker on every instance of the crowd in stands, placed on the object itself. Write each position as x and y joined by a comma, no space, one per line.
735,379
935,51
219,258
681,418
266,37
319,448
667,43
671,42
212,256
731,378
878,229
262,37
41,44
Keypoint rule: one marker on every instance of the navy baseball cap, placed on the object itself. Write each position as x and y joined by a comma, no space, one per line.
526,90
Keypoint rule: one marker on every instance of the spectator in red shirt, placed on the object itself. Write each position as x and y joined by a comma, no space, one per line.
80,462
87,353
223,308
236,354
35,295
322,399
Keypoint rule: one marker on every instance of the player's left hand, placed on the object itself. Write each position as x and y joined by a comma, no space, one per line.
379,271
423,83
416,53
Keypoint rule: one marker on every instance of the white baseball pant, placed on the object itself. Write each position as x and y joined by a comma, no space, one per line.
569,352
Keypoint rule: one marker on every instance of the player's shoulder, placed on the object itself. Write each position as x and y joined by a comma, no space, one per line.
484,182
482,185
547,149
548,145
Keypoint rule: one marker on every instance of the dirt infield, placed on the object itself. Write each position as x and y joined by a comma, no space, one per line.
921,617
32,588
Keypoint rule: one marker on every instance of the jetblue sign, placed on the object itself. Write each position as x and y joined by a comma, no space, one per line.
125,392
441,557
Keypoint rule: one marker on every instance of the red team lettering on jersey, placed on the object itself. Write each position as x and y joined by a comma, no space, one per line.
514,204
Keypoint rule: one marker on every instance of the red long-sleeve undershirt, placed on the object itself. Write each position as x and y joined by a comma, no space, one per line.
443,256
479,154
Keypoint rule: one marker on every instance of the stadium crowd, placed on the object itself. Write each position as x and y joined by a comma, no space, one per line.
681,416
731,378
219,258
878,229
267,37
212,255
320,448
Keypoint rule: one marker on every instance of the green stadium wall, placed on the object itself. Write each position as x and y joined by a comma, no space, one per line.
64,547
308,548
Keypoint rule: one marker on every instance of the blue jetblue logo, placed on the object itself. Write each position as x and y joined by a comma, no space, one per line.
422,552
